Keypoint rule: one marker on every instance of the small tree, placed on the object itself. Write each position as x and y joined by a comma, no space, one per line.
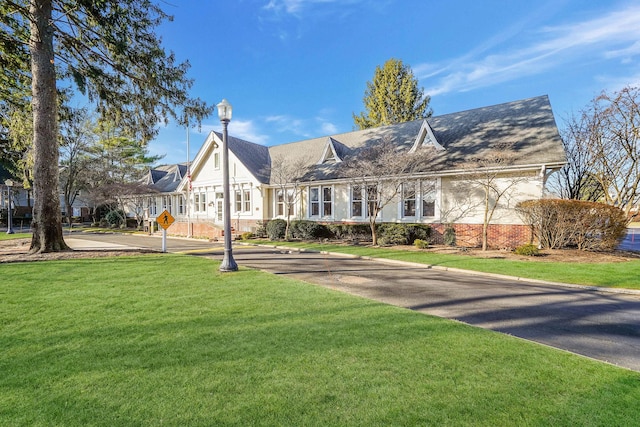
486,174
379,170
392,97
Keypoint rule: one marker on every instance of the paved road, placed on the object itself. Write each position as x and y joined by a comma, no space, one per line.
601,325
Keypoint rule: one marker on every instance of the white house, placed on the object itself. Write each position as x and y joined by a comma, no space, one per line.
443,192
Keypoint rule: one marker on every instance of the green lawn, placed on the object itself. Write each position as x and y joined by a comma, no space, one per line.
167,340
5,236
614,275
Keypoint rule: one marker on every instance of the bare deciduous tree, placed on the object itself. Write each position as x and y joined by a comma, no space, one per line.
614,145
486,174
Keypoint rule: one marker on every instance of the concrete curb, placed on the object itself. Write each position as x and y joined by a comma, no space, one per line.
525,280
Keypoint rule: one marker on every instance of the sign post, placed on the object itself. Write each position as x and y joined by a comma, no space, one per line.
165,220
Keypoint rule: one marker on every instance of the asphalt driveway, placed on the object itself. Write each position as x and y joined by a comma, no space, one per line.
601,325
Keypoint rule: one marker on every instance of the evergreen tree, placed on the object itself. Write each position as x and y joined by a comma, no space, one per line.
392,97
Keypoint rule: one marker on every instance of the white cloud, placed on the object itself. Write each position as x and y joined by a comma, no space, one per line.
610,36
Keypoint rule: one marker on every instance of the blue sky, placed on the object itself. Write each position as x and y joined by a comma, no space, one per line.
297,69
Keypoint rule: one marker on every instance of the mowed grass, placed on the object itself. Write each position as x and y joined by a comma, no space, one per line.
167,340
5,236
606,274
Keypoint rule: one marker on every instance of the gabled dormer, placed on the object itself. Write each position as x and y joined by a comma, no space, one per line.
426,138
331,153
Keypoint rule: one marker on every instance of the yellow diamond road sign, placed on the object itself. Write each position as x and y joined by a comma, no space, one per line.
165,219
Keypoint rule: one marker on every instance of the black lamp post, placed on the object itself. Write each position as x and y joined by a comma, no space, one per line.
9,185
228,263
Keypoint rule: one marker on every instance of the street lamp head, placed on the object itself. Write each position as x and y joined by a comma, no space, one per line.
224,111
9,183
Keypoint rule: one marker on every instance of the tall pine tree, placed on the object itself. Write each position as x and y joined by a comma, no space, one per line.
392,97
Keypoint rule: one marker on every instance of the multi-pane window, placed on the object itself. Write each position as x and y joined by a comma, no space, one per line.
242,200
320,201
203,202
409,199
246,196
196,201
284,202
356,201
314,201
238,201
181,205
216,160
153,209
428,197
219,206
327,203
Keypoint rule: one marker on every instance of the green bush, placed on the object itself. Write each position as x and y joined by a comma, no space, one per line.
275,229
527,250
418,232
308,230
421,244
349,231
261,230
449,236
115,217
246,236
393,234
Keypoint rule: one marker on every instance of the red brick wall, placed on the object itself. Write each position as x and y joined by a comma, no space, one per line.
499,236
209,230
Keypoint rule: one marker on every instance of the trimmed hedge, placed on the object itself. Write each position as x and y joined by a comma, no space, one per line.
308,230
402,234
558,223
275,229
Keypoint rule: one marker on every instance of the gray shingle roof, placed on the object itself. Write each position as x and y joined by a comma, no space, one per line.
165,178
527,124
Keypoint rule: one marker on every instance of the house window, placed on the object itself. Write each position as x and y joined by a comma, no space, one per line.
356,201
314,201
247,200
219,205
203,202
153,209
181,205
409,199
320,201
327,202
238,195
284,202
196,201
428,197
216,160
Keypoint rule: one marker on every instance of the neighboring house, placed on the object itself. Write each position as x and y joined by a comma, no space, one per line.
444,192
21,200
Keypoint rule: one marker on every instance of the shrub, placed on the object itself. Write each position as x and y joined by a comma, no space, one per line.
349,231
527,250
421,244
114,217
418,232
585,225
392,234
275,229
246,235
308,230
449,236
261,230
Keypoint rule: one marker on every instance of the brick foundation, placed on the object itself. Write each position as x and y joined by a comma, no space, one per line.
499,235
209,230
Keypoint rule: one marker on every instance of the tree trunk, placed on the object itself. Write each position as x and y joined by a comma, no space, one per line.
47,220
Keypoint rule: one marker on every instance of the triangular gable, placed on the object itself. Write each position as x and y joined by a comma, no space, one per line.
330,154
210,144
426,138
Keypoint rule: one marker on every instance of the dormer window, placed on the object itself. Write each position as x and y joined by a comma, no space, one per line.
330,154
